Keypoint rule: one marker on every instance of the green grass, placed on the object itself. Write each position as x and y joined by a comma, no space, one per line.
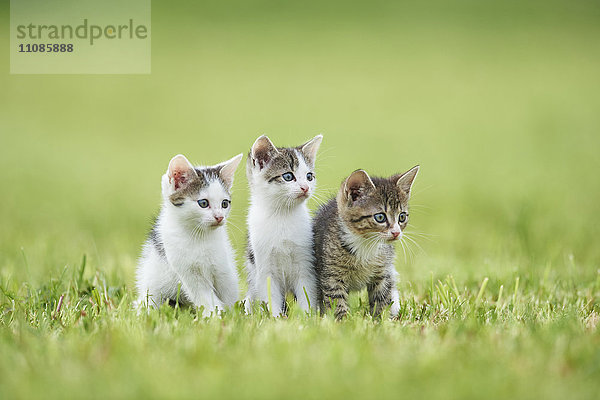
498,103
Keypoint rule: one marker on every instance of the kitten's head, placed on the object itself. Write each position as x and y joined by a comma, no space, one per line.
285,176
376,207
199,196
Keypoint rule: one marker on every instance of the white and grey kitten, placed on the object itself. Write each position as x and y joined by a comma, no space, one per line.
188,246
280,237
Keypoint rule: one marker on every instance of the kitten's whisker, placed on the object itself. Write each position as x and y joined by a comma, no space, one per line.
229,222
421,190
420,235
193,232
196,233
318,199
408,254
199,231
324,156
415,226
424,234
321,201
420,211
403,249
411,250
375,242
416,244
419,207
370,244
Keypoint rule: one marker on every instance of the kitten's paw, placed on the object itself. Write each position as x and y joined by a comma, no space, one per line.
395,310
212,312
247,306
139,306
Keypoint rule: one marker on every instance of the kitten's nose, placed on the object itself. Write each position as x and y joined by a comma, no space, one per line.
218,218
395,234
304,188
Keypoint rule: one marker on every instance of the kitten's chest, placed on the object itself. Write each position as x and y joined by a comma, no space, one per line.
289,231
282,240
191,252
362,268
360,273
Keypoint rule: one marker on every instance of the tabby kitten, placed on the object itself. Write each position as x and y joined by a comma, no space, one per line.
188,253
354,235
279,226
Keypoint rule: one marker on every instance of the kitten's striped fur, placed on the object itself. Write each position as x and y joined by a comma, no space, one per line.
352,249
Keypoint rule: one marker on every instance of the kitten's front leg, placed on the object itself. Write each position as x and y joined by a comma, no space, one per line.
200,292
380,293
205,297
277,296
395,308
335,292
226,285
214,307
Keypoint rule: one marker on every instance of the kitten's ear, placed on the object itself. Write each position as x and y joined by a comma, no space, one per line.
310,148
357,185
262,151
405,180
227,169
180,171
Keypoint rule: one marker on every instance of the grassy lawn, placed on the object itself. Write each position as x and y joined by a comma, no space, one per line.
498,103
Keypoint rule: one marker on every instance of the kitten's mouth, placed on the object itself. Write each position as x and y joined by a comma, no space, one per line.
215,224
303,195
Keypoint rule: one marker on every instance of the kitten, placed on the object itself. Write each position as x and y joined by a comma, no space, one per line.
279,225
354,235
188,247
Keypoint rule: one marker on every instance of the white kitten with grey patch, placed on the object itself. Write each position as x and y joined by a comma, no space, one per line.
280,239
188,250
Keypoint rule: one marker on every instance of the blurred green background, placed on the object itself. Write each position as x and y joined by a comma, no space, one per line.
497,101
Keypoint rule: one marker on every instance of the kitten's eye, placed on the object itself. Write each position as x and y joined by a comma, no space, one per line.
310,176
380,217
203,203
402,217
288,176
225,203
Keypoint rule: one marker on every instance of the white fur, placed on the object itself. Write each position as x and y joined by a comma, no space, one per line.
199,256
366,249
281,237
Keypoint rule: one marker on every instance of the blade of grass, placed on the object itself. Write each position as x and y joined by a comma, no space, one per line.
481,290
